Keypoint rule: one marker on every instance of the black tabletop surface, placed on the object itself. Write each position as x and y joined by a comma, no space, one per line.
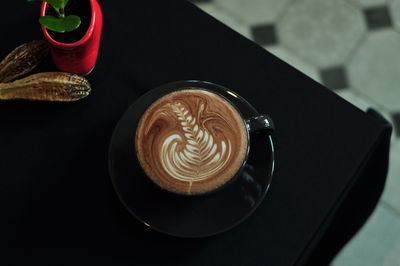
56,199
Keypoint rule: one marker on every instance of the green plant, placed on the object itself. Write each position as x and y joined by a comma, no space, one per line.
60,23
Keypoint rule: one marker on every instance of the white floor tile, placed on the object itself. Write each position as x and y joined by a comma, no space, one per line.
254,11
367,3
391,194
323,32
351,96
377,244
295,61
395,13
374,68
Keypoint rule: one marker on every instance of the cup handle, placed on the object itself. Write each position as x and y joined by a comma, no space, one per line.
261,123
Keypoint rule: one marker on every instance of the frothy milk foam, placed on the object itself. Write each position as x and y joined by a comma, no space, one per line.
191,141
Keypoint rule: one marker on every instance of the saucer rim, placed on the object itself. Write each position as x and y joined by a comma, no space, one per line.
269,175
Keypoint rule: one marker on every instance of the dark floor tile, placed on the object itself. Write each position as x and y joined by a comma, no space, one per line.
335,77
378,17
396,121
264,34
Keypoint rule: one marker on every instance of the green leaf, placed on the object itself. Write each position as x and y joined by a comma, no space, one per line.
68,23
56,4
65,3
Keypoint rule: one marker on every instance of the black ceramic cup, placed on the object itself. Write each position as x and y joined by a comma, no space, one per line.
261,124
192,216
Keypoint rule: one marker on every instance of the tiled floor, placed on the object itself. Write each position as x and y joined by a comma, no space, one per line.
353,48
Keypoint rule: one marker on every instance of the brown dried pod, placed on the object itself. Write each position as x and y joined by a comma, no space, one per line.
47,86
23,59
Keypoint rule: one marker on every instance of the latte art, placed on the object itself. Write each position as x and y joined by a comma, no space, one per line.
201,157
191,141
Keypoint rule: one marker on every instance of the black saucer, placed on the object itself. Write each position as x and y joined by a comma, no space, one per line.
183,216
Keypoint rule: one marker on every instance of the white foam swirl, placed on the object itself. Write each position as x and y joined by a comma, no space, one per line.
201,158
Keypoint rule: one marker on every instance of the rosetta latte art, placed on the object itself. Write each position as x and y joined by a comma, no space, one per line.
191,141
200,159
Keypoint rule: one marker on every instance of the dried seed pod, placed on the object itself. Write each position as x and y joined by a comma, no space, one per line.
47,86
23,59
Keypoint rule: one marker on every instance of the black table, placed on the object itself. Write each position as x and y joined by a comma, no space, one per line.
56,199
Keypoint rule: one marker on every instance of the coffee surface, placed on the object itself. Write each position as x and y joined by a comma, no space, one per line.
191,141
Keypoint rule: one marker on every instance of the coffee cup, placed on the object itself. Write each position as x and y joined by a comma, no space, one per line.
194,141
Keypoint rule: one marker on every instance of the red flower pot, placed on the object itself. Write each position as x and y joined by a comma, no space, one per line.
78,57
